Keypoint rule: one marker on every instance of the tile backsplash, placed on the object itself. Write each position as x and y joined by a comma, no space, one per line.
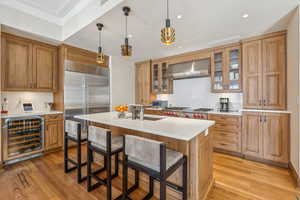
16,99
197,93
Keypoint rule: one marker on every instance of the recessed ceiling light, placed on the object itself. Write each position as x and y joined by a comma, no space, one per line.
245,15
179,47
179,16
129,36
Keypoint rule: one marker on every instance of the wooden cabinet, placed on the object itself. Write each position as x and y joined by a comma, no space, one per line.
45,67
226,132
264,73
266,136
16,63
276,137
28,65
226,69
160,83
252,134
53,131
143,83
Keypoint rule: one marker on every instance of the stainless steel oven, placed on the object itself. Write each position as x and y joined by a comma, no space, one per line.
23,138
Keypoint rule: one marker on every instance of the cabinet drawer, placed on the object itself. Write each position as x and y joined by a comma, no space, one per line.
226,127
53,117
226,136
227,146
222,119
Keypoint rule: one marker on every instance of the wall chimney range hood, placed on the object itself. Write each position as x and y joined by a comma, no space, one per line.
190,69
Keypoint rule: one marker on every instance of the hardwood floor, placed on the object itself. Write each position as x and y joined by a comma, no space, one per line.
235,179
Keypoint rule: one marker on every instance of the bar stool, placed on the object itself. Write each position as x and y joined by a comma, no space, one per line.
73,133
153,158
103,142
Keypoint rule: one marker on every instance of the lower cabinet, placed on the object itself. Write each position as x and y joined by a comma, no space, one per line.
266,136
53,131
226,132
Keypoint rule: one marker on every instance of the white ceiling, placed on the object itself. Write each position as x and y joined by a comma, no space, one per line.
55,11
55,19
205,23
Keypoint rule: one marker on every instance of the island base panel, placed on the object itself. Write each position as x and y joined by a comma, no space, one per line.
200,160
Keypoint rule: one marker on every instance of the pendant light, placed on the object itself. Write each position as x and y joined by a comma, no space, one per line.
168,33
126,49
100,59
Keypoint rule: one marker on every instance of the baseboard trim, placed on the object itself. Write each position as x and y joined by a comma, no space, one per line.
294,175
229,152
283,165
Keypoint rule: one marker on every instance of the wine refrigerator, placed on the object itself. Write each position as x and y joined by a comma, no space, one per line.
22,137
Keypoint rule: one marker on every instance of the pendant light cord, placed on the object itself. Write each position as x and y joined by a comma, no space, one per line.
167,9
99,38
126,26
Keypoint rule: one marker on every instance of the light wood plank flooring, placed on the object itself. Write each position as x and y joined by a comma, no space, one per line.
235,179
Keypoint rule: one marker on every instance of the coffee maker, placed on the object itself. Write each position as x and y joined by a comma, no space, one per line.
224,104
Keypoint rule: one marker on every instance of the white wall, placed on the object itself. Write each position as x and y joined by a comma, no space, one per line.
38,99
122,81
196,92
293,86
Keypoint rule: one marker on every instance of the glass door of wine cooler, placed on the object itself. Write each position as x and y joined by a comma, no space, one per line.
23,136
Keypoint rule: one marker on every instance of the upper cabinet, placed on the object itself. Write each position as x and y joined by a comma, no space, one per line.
264,72
226,69
143,83
16,63
45,67
160,83
28,65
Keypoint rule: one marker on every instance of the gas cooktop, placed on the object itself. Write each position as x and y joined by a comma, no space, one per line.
189,109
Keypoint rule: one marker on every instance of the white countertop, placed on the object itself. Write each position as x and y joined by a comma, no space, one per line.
266,111
11,115
235,113
172,127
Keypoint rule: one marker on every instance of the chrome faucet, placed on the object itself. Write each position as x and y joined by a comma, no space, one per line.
137,111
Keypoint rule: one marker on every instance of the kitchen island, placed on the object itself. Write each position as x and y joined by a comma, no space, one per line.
188,136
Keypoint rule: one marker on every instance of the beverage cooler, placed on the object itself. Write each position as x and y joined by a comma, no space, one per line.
22,138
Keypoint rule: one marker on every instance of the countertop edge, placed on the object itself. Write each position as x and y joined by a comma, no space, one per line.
5,116
210,123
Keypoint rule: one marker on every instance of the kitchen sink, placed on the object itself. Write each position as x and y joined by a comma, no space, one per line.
153,118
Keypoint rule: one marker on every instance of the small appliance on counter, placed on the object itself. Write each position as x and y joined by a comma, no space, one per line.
224,104
160,104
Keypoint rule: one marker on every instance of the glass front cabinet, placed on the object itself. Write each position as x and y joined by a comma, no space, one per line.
160,83
226,70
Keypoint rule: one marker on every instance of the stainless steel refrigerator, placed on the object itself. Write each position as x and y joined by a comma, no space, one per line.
86,90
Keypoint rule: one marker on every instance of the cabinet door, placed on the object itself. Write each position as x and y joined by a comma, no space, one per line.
45,65
155,70
138,84
217,72
276,136
143,83
274,72
17,62
252,75
53,134
232,70
252,142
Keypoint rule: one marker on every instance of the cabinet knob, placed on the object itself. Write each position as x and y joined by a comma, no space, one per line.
265,102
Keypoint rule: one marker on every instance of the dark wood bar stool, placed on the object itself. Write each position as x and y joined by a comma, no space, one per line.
153,158
103,142
73,133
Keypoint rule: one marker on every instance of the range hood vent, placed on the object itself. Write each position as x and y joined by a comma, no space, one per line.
191,69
